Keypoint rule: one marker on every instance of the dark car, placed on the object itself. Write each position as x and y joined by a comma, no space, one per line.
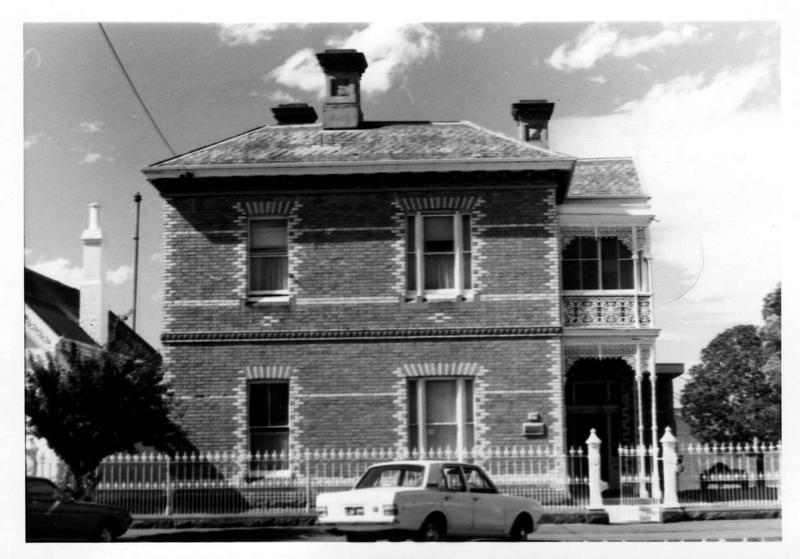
51,515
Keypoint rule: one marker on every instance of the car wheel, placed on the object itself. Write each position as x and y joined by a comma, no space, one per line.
433,530
520,529
104,532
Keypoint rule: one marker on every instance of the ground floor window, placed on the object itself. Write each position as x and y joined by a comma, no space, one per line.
268,421
441,414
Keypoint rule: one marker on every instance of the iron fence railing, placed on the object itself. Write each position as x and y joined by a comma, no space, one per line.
732,475
231,483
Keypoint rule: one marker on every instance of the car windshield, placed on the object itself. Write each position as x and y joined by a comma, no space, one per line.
392,476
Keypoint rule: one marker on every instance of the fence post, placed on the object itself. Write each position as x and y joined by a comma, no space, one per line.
308,482
670,460
595,495
168,506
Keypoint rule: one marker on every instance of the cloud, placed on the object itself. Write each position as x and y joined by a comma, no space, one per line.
701,97
31,140
157,257
699,143
389,49
94,157
90,127
59,269
250,33
32,57
119,276
599,40
281,96
472,34
598,79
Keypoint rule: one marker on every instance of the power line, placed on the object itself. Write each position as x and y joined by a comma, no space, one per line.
133,87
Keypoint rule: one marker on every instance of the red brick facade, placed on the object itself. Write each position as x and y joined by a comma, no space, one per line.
348,340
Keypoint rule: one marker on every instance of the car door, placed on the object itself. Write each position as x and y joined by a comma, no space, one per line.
42,514
456,501
489,515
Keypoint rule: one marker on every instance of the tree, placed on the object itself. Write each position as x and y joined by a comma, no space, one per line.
89,406
734,394
770,334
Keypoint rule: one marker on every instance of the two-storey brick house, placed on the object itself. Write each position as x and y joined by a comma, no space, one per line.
369,284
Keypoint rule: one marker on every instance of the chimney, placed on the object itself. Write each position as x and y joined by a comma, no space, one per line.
294,113
92,316
533,117
343,69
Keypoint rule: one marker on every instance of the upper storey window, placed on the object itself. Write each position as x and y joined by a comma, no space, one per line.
269,256
438,254
595,264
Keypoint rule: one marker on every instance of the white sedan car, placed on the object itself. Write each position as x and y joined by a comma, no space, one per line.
426,501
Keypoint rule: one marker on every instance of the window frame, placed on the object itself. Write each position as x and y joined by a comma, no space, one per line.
252,253
464,413
462,278
280,429
598,259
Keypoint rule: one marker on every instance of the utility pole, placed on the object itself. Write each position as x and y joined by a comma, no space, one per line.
138,200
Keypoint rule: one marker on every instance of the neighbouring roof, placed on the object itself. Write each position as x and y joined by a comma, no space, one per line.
604,177
374,141
57,304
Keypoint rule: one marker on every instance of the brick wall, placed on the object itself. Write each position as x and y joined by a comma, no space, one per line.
346,262
354,394
347,252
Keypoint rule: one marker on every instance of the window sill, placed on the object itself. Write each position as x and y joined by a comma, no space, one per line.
412,301
268,300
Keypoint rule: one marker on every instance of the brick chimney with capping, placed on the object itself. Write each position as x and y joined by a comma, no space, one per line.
533,118
343,69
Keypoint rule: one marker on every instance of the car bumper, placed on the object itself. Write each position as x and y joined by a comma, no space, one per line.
377,531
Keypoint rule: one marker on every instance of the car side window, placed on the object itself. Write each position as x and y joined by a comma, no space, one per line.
41,490
454,479
477,481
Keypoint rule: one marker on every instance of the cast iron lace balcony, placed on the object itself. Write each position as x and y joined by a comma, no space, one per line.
607,311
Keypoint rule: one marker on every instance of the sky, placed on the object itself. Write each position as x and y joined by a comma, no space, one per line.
697,104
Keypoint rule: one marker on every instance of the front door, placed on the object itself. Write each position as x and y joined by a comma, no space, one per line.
605,421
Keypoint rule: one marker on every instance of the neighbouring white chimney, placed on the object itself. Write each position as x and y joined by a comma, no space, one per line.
93,317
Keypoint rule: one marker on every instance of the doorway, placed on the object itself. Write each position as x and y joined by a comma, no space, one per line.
599,395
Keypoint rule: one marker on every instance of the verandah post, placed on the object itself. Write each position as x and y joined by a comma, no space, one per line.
595,494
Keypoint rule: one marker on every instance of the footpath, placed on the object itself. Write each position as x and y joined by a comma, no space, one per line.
265,521
749,530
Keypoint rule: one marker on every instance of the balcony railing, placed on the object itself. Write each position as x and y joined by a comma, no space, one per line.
607,311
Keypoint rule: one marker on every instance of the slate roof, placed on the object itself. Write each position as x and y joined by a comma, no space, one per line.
57,304
374,141
605,177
